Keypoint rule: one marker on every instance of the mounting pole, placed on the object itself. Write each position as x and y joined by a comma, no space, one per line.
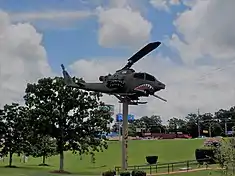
225,128
125,104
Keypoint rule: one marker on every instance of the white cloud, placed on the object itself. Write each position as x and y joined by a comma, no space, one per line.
174,2
203,27
164,4
50,15
207,30
160,4
22,58
52,19
189,86
122,26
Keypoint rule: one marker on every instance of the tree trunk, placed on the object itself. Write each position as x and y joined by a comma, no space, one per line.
10,159
61,160
43,159
24,158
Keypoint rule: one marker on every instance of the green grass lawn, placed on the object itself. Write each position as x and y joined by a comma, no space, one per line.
167,150
200,173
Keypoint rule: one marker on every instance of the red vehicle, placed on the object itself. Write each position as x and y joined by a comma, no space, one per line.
166,136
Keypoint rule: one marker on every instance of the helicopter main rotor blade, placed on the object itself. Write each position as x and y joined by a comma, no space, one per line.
141,53
160,98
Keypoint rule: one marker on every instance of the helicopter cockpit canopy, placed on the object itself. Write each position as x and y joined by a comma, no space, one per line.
125,71
144,76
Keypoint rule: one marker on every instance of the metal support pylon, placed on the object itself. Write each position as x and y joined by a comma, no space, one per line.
125,104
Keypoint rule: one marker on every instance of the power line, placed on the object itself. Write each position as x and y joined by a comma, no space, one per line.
215,70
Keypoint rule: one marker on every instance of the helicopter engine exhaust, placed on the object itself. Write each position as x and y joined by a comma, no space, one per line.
102,78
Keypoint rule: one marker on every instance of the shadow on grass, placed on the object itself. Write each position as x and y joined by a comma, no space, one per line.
7,166
51,170
29,167
96,167
46,165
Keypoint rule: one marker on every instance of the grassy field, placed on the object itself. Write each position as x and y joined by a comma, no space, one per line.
201,173
167,150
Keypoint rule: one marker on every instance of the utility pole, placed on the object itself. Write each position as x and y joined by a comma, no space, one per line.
225,127
198,123
209,129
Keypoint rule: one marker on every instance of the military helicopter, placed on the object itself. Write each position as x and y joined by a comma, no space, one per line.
125,84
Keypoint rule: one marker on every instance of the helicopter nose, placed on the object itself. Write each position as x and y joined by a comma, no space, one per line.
160,85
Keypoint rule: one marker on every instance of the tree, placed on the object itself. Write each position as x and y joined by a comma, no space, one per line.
13,137
192,120
72,116
2,125
225,155
207,122
177,125
152,124
43,146
225,117
115,127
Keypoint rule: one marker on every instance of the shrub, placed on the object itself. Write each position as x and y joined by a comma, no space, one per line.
138,173
125,173
152,159
109,173
205,155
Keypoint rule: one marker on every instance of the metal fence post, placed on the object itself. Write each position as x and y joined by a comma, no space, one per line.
187,166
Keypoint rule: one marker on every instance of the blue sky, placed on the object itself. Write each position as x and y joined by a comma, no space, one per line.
77,33
79,40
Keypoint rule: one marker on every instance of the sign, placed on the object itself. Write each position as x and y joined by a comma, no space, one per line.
229,132
119,117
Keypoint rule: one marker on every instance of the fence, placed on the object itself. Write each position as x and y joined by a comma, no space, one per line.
164,167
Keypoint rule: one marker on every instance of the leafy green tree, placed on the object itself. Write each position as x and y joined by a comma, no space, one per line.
43,146
72,116
207,122
151,124
2,126
225,116
225,155
177,125
192,120
13,122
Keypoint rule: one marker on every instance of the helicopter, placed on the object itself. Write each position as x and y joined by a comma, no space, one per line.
125,83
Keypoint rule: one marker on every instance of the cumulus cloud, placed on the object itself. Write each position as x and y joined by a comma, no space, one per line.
188,88
122,26
51,19
50,15
164,4
206,28
204,41
204,34
22,58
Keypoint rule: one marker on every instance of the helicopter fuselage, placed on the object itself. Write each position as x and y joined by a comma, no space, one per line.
126,82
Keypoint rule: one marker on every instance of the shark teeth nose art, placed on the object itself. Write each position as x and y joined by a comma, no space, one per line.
144,87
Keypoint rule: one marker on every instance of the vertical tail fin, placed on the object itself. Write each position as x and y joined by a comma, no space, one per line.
67,78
